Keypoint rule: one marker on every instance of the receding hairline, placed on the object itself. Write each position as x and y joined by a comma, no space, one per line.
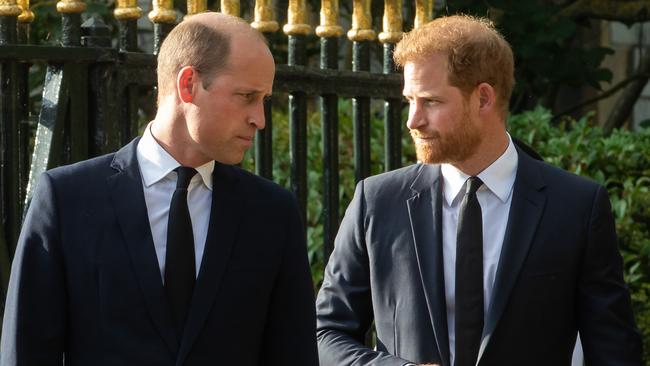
227,25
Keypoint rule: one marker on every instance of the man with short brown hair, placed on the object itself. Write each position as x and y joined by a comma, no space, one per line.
163,253
479,254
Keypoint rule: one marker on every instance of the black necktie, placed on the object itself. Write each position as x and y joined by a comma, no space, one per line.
469,276
179,260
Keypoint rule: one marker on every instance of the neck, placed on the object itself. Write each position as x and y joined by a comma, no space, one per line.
488,151
170,131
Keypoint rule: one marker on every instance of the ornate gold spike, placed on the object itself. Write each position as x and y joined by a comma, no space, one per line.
162,12
230,7
26,16
297,19
423,12
361,22
9,8
71,6
196,6
392,22
264,17
127,10
329,17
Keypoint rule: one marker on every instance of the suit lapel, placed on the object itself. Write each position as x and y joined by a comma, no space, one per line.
127,198
526,210
425,214
225,214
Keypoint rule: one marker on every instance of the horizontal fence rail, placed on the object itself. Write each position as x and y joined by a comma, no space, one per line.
95,90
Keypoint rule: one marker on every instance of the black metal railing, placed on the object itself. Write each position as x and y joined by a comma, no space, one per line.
93,92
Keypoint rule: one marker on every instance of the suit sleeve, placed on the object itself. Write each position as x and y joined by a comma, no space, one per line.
290,334
606,323
34,326
344,304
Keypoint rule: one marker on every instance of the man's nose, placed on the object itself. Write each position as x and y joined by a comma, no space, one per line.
257,117
415,119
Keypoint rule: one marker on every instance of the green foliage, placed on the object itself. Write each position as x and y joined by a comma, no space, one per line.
542,40
621,162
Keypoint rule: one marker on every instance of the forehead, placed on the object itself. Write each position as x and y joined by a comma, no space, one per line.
250,65
426,73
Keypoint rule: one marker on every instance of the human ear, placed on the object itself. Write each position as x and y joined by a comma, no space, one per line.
186,81
487,96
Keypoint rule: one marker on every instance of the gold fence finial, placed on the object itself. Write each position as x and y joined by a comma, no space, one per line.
423,12
127,10
392,22
264,17
71,6
196,7
9,8
27,15
361,22
230,7
162,11
329,17
297,19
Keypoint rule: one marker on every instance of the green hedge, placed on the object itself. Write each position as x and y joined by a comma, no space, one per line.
620,161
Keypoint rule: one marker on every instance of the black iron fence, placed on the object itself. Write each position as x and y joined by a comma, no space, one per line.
92,93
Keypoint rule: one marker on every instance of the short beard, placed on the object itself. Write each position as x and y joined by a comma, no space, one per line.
457,145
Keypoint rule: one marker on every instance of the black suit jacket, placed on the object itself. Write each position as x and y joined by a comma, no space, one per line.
559,272
86,285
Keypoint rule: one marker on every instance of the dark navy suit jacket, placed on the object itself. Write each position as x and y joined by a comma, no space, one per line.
86,287
559,272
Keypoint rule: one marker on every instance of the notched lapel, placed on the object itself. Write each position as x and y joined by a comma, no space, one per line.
425,214
127,197
227,209
526,209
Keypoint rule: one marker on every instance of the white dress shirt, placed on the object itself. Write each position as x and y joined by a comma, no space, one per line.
159,182
495,197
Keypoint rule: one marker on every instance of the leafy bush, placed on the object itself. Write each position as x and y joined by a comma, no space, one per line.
621,162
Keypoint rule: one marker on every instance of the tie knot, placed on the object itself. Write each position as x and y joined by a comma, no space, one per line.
472,185
185,175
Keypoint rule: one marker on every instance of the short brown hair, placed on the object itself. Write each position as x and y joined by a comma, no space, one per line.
476,53
203,42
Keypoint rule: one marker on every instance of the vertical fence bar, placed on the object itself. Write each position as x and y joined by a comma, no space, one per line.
423,12
127,13
10,213
75,133
163,17
392,33
70,21
297,29
329,31
362,35
231,7
265,23
22,106
103,121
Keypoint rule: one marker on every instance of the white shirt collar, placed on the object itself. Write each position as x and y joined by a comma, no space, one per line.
156,163
499,177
